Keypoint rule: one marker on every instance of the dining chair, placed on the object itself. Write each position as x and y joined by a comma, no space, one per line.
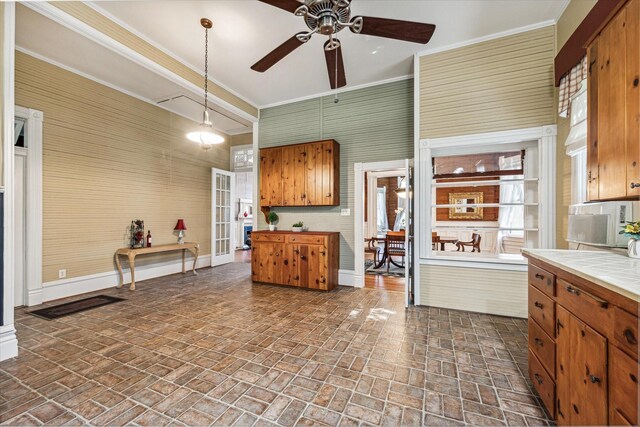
395,247
474,243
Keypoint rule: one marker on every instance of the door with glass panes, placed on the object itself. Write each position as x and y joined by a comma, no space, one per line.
223,199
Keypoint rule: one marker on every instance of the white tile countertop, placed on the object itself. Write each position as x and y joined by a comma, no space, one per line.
618,273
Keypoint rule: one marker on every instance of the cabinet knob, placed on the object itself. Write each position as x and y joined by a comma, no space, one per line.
323,253
303,257
539,342
539,276
323,280
628,334
538,378
635,185
538,304
594,379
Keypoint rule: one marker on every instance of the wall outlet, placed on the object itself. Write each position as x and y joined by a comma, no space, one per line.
345,212
62,274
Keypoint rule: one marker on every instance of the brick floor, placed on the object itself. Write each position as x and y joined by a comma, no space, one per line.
214,349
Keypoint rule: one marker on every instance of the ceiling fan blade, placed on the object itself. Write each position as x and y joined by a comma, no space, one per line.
277,54
288,5
332,56
415,32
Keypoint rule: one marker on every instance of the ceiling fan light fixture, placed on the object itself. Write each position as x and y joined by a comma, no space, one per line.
205,134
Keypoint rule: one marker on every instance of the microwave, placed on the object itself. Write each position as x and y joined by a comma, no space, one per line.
599,224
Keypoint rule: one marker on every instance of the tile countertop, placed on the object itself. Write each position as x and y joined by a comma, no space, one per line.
618,273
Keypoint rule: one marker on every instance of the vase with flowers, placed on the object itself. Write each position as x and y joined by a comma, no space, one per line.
632,231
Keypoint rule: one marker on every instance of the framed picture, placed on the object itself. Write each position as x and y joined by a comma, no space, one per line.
464,208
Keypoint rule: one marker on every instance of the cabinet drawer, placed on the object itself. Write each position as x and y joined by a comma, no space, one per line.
542,280
543,347
591,309
625,330
264,237
542,309
543,384
623,386
307,239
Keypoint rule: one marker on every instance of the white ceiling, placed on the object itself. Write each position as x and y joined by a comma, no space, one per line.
48,40
246,30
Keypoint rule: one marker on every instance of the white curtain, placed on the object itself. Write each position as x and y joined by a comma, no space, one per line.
510,216
401,214
381,209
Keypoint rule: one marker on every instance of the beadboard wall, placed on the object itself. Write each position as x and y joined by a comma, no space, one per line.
495,85
95,19
371,124
109,158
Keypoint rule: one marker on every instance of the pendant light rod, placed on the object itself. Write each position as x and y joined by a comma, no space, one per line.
205,133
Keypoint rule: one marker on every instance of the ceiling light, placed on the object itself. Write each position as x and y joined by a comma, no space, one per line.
204,134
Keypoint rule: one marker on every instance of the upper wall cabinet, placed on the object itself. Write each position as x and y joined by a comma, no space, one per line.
300,175
613,149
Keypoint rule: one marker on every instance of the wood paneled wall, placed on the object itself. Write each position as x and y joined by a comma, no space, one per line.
372,124
109,158
500,84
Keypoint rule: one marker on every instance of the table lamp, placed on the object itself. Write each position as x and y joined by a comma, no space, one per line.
180,227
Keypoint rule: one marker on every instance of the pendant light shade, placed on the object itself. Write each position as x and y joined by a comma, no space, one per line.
204,134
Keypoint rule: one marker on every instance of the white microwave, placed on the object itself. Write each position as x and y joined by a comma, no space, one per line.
599,224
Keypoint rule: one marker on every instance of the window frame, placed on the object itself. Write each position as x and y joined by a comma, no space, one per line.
542,138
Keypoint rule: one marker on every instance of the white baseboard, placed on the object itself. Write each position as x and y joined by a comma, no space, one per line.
8,342
349,278
79,285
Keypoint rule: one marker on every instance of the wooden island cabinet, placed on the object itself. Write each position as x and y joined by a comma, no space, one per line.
306,260
583,345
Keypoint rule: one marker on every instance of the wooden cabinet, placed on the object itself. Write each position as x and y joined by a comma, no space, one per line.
306,260
306,175
584,368
613,148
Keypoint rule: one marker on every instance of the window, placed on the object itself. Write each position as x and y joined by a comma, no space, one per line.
485,201
242,158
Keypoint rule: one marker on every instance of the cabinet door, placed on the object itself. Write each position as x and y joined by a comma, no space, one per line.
632,84
592,121
293,175
271,177
330,172
623,388
581,372
267,262
291,265
315,160
612,177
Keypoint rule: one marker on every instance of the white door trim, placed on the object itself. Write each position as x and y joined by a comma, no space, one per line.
358,203
8,339
33,142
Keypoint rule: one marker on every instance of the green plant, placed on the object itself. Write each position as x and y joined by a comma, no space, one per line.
272,217
298,224
631,230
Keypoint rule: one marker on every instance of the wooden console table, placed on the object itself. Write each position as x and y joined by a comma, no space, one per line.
131,253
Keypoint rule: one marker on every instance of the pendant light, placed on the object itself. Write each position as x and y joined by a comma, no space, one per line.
205,134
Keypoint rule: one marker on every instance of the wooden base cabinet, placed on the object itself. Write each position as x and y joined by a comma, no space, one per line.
584,368
305,260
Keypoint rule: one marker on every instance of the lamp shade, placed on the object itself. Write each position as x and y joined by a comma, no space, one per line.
180,225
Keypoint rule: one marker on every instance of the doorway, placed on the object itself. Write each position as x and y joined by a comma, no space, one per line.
27,207
384,226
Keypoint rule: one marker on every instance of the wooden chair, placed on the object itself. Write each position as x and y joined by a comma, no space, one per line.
474,243
395,247
371,248
435,239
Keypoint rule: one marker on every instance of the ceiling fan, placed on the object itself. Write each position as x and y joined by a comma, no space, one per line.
329,17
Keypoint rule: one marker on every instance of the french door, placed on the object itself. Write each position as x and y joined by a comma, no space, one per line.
223,218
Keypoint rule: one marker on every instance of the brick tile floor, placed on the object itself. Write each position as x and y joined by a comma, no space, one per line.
214,349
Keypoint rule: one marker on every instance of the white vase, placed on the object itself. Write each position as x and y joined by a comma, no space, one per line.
634,248
272,227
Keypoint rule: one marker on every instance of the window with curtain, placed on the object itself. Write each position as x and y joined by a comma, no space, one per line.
381,210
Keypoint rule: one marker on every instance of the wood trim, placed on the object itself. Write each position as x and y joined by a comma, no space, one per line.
575,48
